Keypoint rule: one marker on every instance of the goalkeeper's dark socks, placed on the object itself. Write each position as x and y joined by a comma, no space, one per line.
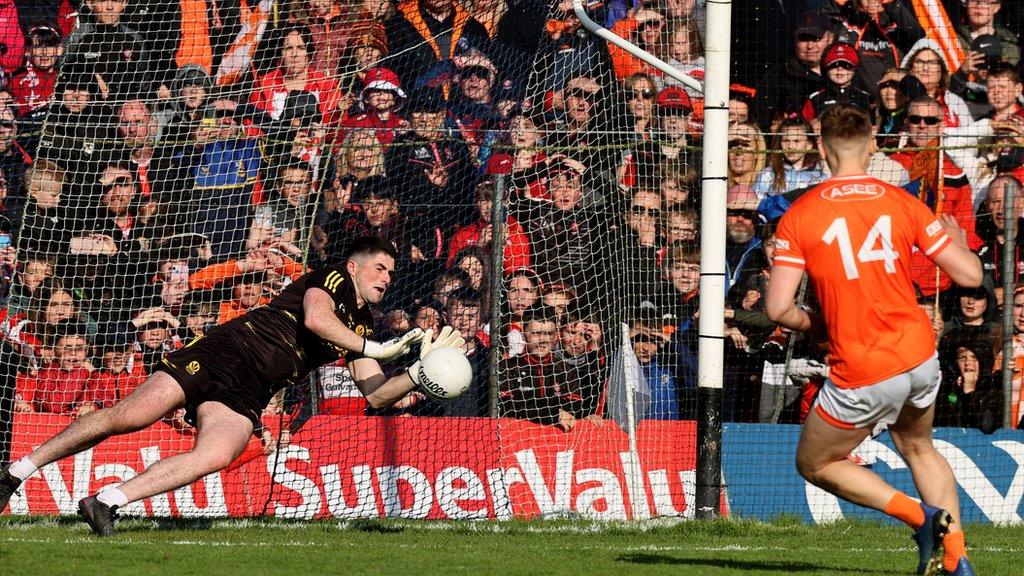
905,509
953,549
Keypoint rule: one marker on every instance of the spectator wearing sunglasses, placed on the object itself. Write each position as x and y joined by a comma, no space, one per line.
635,258
472,108
743,254
925,126
640,96
925,62
646,29
840,64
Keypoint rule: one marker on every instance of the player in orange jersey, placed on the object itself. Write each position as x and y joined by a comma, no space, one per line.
854,236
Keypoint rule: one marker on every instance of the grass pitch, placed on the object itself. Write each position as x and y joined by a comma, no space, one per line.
52,546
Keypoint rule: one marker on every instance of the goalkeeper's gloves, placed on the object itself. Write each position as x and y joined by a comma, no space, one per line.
447,338
394,348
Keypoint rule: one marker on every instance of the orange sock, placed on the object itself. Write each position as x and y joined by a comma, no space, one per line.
953,549
902,507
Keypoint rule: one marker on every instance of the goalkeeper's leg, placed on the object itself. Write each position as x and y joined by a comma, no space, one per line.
157,396
221,436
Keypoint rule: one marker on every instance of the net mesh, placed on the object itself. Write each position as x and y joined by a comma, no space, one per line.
170,166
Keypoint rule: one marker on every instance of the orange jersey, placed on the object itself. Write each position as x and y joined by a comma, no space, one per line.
855,236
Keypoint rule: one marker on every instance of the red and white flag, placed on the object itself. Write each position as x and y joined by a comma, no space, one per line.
238,57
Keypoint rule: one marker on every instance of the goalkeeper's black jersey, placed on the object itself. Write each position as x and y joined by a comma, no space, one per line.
280,327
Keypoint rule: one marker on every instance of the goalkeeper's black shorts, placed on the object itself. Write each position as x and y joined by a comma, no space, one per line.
213,369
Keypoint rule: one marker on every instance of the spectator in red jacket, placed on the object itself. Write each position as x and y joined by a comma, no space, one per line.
62,387
294,73
479,233
377,110
118,375
32,86
531,390
951,195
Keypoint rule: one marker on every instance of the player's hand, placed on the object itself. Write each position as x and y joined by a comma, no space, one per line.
447,338
394,348
953,229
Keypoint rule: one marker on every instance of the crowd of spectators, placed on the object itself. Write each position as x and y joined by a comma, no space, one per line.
165,167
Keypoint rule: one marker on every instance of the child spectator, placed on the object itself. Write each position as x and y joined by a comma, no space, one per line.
648,339
529,390
971,395
466,313
62,387
155,337
34,270
579,366
793,161
676,184
185,110
680,227
524,157
377,110
479,233
522,293
840,63
33,85
118,374
685,52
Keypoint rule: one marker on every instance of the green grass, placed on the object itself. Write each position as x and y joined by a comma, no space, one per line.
51,546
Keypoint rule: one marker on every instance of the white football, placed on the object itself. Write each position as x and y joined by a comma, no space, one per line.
445,373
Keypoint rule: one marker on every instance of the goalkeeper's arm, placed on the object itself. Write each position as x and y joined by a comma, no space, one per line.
320,318
380,391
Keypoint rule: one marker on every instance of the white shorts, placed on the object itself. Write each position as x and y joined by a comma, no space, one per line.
882,402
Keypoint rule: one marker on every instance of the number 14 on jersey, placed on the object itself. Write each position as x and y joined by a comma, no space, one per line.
877,246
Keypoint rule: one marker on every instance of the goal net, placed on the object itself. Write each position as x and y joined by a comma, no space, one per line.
170,166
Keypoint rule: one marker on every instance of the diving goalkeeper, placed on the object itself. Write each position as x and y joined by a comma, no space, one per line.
225,379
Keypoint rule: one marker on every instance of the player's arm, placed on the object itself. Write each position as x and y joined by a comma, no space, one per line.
956,259
318,307
780,302
380,391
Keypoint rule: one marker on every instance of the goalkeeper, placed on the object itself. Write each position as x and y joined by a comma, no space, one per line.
225,379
